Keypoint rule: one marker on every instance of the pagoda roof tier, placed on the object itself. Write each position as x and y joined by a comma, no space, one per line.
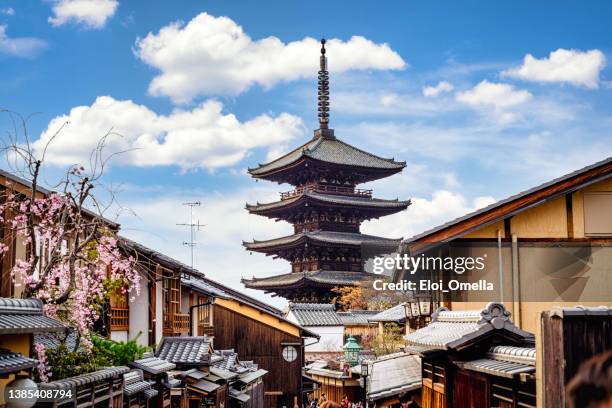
311,278
327,150
345,239
379,206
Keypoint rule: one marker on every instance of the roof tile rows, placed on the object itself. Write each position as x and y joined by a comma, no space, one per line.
187,350
315,314
396,313
25,316
11,362
331,278
330,151
86,379
394,374
356,201
504,361
325,237
454,330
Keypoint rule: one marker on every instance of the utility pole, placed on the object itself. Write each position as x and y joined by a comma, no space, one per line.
192,228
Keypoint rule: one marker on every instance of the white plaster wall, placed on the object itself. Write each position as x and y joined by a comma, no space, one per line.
332,337
139,314
119,335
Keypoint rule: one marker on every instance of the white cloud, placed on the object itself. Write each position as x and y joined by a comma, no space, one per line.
494,94
570,66
87,13
8,11
213,55
499,101
24,47
203,137
432,91
426,213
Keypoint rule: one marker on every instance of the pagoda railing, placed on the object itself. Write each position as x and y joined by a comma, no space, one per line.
326,189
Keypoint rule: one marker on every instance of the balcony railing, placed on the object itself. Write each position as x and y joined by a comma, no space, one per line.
326,189
119,318
181,323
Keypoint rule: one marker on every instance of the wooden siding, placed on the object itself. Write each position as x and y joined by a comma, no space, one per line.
263,344
566,343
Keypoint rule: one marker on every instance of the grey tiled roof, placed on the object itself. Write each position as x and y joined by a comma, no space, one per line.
25,316
347,200
250,376
393,374
11,362
455,330
88,378
396,313
582,311
186,350
54,340
134,383
504,361
325,237
328,278
198,284
330,150
315,314
356,317
153,365
238,395
204,386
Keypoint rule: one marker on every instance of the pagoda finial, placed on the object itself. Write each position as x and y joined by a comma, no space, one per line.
323,95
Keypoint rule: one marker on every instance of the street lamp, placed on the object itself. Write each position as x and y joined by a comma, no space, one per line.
351,351
365,367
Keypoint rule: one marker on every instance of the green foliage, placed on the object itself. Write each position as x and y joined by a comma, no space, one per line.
119,353
65,363
389,341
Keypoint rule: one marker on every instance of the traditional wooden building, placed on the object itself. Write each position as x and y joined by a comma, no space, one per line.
392,377
475,359
357,324
546,247
180,301
326,210
334,381
570,336
20,320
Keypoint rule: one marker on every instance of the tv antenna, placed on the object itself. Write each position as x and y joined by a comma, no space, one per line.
193,227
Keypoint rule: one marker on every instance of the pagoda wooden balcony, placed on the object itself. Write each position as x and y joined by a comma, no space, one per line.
119,318
178,324
326,189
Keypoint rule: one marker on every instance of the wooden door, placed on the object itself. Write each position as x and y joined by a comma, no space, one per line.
470,390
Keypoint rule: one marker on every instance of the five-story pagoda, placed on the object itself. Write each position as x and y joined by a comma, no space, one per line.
326,210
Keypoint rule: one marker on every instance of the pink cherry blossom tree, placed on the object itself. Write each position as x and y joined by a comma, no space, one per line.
72,259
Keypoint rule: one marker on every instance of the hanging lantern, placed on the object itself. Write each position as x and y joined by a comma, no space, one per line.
424,304
407,310
351,351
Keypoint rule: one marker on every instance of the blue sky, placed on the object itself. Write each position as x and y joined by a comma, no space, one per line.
481,99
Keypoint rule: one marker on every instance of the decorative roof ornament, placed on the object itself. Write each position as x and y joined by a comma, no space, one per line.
323,95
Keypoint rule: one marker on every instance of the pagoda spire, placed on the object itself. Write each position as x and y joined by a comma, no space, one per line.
323,94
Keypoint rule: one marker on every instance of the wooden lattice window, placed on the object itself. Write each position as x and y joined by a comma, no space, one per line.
119,312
